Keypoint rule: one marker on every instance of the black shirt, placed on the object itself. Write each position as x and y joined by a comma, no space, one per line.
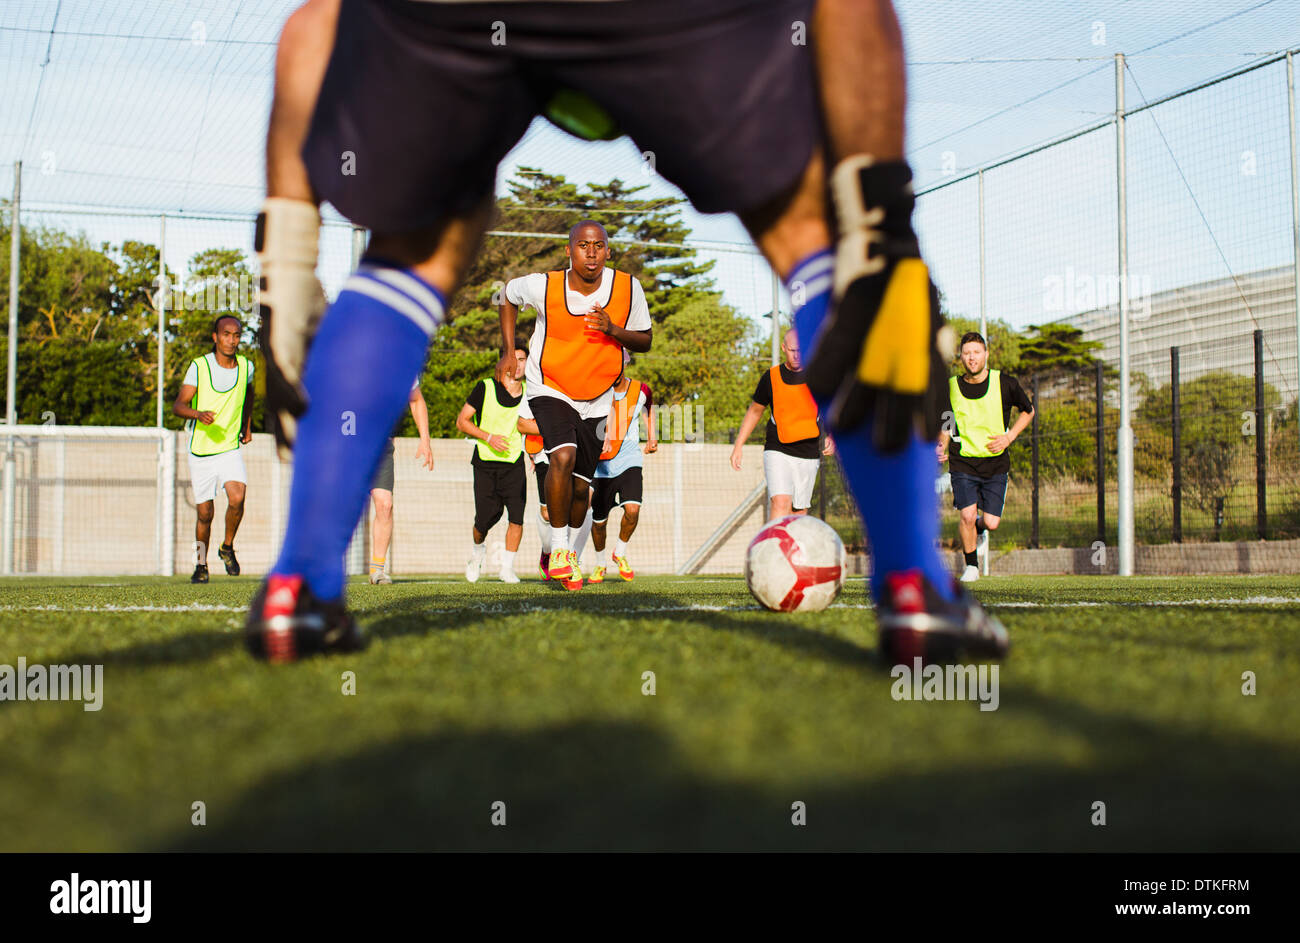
802,448
986,466
475,399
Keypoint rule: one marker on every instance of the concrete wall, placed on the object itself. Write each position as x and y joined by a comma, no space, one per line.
92,507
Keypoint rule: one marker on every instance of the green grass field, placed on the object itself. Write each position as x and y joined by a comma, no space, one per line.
1127,692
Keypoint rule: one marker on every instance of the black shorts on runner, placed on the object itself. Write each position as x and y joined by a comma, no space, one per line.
384,473
421,101
560,425
539,470
498,486
610,493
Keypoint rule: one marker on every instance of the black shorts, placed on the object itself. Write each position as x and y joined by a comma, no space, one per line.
560,425
610,493
384,473
421,101
499,485
539,470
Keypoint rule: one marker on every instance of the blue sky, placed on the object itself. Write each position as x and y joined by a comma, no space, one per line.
159,106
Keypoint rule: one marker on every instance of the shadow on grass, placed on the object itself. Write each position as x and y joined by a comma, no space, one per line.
593,786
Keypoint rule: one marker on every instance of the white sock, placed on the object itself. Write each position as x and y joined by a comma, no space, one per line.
480,550
620,549
508,561
580,539
544,529
602,557
559,538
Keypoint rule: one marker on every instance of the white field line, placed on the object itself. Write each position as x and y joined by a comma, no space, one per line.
500,609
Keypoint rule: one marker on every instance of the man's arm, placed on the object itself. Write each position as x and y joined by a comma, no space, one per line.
509,315
247,435
183,408
528,426
598,319
420,413
1017,396
747,427
465,423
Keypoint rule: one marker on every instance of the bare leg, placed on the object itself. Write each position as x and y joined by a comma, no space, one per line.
631,514
235,491
859,53
514,534
966,529
781,506
381,530
203,531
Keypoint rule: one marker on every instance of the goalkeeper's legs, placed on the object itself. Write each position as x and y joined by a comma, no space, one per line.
894,491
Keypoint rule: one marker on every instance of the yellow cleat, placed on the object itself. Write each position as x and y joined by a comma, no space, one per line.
624,568
574,580
558,568
597,575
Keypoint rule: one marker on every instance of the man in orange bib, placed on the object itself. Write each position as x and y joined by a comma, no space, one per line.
586,316
792,453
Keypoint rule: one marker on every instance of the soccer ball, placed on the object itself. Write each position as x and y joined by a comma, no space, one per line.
795,564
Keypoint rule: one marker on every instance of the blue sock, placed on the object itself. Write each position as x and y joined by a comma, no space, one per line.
894,493
370,348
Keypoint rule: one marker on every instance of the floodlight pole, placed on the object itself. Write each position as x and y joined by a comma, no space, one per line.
11,375
162,316
984,323
1295,197
1124,504
358,550
776,319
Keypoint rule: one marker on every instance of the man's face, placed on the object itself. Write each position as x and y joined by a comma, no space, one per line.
588,251
974,355
226,337
521,361
791,347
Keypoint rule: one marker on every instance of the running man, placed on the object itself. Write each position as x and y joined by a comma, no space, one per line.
587,315
491,415
216,396
792,448
976,423
618,475
381,489
741,119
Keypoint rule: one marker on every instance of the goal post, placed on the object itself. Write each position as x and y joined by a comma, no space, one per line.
81,494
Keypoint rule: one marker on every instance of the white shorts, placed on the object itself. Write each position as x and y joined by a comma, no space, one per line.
209,473
789,475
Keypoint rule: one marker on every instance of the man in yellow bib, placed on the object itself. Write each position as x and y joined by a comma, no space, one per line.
978,410
491,415
216,396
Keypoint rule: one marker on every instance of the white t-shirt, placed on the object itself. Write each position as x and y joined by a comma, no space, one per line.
223,378
530,291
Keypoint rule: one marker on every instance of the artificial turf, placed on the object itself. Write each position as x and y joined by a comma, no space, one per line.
1121,691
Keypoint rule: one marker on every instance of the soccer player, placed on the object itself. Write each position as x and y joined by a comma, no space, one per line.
587,315
741,118
792,449
381,488
977,414
491,415
618,474
216,396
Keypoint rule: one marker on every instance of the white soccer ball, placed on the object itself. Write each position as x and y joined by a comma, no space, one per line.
795,564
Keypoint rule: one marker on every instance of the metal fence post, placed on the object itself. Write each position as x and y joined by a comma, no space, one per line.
1261,445
1124,436
1176,420
1101,455
1033,464
11,376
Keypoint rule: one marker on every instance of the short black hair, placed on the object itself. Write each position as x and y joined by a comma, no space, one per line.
573,232
216,322
970,337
